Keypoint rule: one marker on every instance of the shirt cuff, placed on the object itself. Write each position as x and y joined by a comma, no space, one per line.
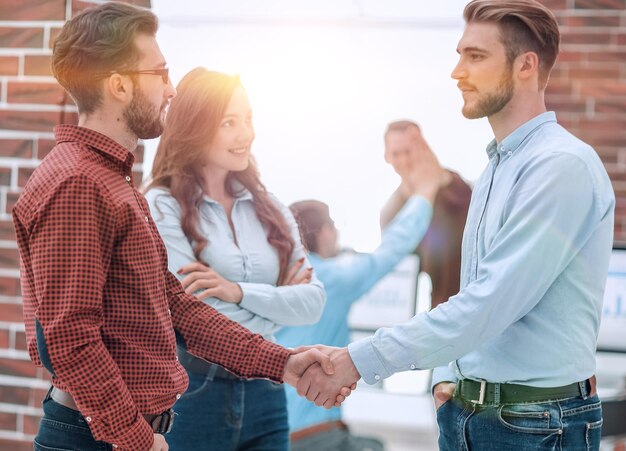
255,295
443,374
367,361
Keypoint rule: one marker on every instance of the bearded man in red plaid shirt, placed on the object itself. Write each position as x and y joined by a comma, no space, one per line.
100,307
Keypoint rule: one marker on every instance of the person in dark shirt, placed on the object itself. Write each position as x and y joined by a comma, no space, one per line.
440,249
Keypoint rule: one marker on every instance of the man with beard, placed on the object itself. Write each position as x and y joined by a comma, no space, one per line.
521,332
100,306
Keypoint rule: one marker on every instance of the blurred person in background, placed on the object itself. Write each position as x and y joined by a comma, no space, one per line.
237,248
439,251
346,277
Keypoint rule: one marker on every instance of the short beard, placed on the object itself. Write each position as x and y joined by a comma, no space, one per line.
493,102
142,118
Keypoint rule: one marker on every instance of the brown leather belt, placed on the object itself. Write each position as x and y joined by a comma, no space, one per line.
317,429
161,423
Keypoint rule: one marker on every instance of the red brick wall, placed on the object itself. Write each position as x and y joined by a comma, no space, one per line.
588,86
31,103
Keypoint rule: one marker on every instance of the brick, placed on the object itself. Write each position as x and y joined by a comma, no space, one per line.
14,395
621,39
44,146
37,395
592,21
20,341
4,338
11,200
555,4
585,38
571,57
37,65
11,313
604,124
9,65
8,421
9,259
599,4
607,56
615,105
602,73
11,37
18,368
43,121
603,88
54,33
566,105
604,139
10,286
47,93
607,154
16,445
32,10
31,424
5,176
16,148
7,231
23,174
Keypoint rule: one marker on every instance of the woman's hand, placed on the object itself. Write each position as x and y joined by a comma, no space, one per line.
296,275
201,277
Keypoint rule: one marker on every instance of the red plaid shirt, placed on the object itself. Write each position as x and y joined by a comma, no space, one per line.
95,281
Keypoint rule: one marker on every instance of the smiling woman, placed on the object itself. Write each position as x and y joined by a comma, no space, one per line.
324,79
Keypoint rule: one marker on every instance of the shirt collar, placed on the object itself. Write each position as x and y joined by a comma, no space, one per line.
512,142
241,193
92,138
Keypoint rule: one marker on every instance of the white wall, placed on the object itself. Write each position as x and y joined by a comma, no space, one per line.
324,78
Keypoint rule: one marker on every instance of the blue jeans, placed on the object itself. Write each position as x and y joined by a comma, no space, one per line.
64,429
572,424
227,414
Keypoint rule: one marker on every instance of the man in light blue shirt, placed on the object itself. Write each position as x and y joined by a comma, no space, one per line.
347,277
521,333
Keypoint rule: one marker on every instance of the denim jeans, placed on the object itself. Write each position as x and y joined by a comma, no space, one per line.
572,424
337,439
64,429
227,414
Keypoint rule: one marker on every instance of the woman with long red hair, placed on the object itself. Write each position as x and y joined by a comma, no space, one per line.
237,248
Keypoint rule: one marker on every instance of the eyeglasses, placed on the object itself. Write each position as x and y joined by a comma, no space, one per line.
164,73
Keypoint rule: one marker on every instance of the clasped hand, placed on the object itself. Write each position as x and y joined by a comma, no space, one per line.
324,388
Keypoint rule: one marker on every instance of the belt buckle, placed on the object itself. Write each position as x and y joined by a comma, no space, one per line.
162,424
481,394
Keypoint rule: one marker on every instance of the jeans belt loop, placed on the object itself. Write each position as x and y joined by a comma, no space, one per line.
481,394
211,373
496,394
582,386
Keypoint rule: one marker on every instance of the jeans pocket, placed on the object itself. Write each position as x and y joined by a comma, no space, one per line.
529,418
593,435
39,447
197,384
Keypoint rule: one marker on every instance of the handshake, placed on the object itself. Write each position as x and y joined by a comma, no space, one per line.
322,374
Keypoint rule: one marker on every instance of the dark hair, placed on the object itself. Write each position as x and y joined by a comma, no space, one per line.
192,122
525,26
311,216
400,126
95,42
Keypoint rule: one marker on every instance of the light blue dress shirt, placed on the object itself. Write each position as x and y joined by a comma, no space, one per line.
346,278
535,256
250,261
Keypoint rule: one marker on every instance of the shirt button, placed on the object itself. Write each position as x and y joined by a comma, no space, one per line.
169,311
88,419
177,395
128,178
114,445
377,377
146,218
412,366
177,358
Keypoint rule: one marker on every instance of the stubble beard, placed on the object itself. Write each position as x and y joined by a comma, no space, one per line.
493,102
142,118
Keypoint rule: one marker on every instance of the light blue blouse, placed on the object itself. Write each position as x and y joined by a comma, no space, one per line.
535,257
251,261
